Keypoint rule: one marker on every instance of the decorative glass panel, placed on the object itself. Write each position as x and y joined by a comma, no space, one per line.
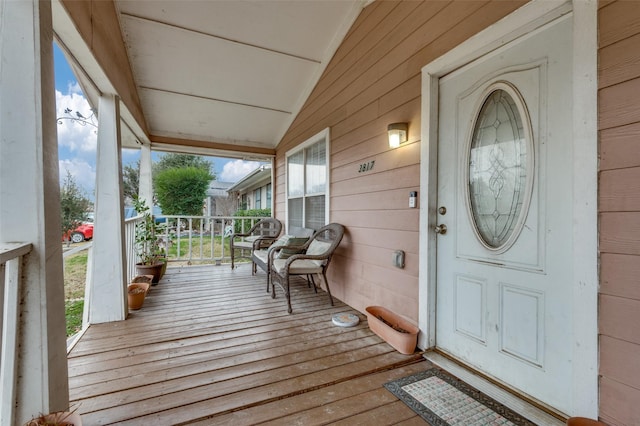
498,172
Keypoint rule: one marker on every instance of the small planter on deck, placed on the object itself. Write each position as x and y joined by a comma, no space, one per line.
137,291
60,418
396,330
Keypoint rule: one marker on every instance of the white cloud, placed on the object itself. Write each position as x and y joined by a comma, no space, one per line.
83,174
235,170
71,133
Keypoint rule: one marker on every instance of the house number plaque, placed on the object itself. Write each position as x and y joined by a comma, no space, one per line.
365,167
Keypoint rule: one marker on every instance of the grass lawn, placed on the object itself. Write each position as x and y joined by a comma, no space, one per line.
75,273
73,312
196,252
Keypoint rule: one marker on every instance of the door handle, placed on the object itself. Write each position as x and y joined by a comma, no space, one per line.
440,229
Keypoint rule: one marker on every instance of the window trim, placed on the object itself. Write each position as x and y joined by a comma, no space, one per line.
269,196
318,137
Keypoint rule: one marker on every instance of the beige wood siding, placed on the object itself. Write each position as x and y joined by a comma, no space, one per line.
374,80
619,206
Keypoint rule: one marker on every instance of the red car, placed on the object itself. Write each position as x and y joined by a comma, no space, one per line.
82,232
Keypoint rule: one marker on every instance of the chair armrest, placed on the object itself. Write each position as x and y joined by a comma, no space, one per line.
259,242
246,234
303,256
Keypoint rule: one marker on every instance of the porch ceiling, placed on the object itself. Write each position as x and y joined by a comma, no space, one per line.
228,72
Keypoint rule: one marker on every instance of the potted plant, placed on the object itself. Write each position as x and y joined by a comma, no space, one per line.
137,291
147,243
60,418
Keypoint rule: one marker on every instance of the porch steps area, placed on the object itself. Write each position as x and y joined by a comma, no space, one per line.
210,346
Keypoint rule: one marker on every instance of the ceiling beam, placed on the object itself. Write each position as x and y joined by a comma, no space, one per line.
163,143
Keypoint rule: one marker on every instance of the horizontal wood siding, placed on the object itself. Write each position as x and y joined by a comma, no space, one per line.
619,206
374,79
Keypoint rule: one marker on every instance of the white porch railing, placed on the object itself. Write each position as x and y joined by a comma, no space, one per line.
191,239
129,243
11,255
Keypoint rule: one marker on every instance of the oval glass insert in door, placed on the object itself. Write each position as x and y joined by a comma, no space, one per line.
500,176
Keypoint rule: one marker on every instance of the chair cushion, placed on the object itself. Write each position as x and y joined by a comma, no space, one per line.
282,241
261,255
293,241
318,247
298,267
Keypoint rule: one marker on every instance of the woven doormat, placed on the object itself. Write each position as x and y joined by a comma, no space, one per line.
444,400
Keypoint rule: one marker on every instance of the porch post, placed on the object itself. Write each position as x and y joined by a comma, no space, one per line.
146,183
30,204
108,296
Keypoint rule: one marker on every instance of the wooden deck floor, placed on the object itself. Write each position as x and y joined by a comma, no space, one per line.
210,346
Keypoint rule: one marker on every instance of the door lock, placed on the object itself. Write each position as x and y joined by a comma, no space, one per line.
440,229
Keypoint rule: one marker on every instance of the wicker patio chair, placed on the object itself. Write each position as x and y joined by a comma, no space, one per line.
260,257
312,258
261,235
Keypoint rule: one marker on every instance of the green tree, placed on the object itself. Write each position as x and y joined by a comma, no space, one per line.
244,224
181,191
131,181
73,205
180,161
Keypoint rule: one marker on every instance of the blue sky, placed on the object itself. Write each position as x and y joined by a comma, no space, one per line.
77,143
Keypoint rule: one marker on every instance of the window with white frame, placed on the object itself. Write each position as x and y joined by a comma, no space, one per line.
308,183
258,198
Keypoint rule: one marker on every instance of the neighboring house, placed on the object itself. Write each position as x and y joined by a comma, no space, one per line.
253,191
217,202
523,148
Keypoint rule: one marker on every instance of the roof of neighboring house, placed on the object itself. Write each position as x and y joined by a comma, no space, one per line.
258,177
218,189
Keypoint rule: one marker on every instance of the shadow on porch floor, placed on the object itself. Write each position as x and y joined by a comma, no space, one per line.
210,346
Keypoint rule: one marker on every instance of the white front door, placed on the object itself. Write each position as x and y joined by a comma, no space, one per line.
504,293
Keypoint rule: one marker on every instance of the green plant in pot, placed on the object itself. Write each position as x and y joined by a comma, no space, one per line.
147,245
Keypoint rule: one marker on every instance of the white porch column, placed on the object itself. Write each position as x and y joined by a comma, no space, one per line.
30,203
145,189
108,294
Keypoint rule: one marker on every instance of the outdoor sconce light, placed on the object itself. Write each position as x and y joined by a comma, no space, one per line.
397,134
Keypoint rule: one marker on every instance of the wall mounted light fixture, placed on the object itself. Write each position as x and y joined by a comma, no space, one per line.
397,134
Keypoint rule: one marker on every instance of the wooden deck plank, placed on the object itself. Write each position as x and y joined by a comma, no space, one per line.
175,392
176,407
232,352
339,410
204,372
126,365
388,414
310,400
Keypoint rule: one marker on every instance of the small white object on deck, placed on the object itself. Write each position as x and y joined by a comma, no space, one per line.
345,320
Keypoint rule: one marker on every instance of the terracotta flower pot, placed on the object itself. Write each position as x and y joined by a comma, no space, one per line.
65,418
142,279
396,330
155,270
135,295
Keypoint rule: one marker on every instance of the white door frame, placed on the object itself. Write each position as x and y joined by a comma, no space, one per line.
584,258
